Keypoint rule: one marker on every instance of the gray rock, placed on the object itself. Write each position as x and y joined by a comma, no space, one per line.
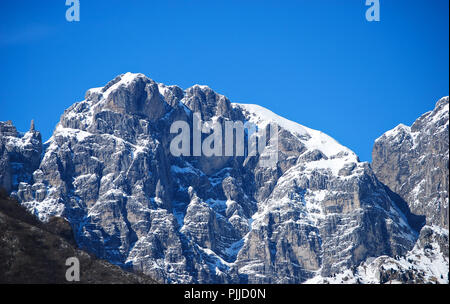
414,163
20,155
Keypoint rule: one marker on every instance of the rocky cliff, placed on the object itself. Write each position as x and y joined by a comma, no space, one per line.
20,155
414,163
426,263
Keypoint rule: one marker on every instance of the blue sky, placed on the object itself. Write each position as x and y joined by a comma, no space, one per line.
317,62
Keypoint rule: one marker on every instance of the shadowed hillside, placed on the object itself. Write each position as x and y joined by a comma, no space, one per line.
35,252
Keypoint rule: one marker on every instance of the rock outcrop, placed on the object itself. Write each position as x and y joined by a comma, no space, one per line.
20,155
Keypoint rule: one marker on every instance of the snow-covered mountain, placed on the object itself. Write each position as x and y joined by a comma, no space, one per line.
194,219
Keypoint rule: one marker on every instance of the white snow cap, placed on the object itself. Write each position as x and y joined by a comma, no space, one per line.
312,139
395,131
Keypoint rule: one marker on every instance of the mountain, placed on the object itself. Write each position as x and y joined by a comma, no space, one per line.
108,169
36,252
413,162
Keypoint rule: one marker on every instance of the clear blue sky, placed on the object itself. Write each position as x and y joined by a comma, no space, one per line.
317,62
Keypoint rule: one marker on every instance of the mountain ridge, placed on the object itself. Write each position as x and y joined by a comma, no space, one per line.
107,169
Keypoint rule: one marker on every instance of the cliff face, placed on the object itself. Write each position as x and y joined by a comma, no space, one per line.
20,155
414,163
426,263
108,170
